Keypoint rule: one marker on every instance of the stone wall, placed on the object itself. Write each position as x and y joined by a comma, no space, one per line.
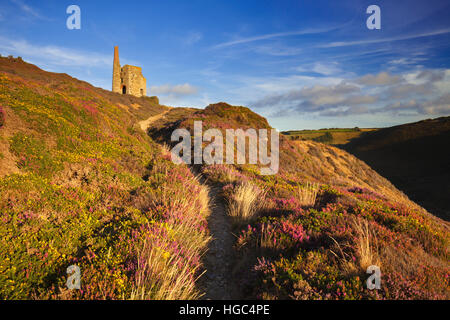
128,79
133,81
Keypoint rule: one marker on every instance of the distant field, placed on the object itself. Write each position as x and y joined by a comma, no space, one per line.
333,136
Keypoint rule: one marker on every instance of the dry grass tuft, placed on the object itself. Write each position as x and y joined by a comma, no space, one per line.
245,203
163,277
307,194
367,245
366,249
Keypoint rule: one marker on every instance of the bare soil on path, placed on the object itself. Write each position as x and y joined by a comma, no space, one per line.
145,124
217,282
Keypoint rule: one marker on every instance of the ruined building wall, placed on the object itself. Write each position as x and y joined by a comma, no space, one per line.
133,81
128,79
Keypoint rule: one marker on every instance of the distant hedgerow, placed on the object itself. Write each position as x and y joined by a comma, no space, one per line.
326,138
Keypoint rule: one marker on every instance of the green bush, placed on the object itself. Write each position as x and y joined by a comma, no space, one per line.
326,138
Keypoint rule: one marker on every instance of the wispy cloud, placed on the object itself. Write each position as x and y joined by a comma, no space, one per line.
416,93
54,55
435,107
192,38
407,61
271,36
182,95
175,90
278,50
323,68
382,40
29,10
380,79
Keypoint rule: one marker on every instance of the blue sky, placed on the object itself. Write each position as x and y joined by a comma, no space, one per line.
301,64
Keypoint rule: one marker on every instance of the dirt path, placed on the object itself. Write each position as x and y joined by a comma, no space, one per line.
145,124
217,281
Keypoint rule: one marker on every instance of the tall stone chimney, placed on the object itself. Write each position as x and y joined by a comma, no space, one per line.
116,83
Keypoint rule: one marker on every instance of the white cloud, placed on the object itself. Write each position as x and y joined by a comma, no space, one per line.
325,92
319,98
431,75
324,68
260,86
174,90
382,93
54,55
382,40
435,107
407,89
278,50
271,36
192,38
29,10
380,79
407,61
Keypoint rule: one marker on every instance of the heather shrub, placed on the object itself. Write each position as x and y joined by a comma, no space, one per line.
168,258
93,193
222,173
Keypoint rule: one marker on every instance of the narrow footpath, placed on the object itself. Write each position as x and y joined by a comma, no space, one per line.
217,282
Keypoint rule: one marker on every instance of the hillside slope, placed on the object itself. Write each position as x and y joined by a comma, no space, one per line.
307,160
310,231
415,157
81,184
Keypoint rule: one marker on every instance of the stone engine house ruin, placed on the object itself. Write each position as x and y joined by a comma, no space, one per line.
127,79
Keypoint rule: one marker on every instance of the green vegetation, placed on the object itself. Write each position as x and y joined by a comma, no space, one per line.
326,138
294,132
87,187
311,231
92,191
332,136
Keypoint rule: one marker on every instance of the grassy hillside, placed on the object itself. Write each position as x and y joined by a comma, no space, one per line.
415,157
82,184
310,231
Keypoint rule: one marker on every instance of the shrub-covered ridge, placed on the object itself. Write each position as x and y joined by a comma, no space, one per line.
315,227
82,185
